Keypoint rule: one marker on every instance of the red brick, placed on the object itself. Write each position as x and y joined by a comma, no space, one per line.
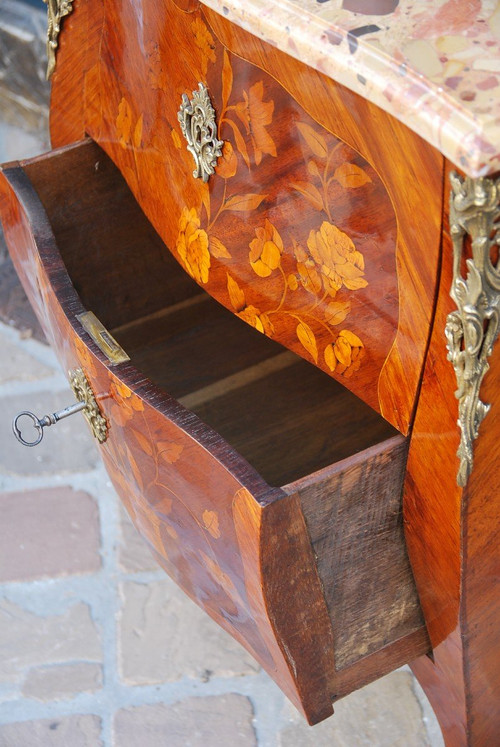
197,722
51,532
77,731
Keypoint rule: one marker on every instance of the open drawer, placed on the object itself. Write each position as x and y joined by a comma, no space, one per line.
270,493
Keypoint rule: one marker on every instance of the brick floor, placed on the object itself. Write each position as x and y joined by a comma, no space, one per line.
18,365
197,722
134,555
62,681
60,534
165,637
71,731
30,640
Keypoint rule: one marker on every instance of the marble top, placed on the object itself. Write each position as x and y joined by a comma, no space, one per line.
433,64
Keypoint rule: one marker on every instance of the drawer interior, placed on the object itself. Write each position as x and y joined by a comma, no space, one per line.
286,417
283,415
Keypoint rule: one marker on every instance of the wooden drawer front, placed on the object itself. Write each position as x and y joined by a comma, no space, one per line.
308,229
197,503
203,501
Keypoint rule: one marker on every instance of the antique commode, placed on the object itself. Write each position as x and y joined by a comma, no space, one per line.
291,458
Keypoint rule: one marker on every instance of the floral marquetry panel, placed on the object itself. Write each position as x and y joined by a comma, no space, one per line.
276,240
296,232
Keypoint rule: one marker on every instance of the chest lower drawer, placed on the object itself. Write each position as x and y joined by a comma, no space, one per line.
269,492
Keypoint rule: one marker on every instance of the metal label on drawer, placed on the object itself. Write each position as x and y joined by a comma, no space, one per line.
102,338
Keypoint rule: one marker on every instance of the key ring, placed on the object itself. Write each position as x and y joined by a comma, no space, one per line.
17,431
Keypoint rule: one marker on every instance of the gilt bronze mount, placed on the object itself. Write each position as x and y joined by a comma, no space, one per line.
56,10
471,331
198,125
83,393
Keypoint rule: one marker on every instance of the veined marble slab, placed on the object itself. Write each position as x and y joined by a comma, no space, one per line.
433,64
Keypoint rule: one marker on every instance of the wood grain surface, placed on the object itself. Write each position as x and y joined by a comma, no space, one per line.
308,231
354,517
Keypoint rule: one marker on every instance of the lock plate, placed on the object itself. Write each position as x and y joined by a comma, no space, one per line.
102,338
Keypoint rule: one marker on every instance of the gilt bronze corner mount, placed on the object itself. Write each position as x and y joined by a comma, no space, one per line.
472,329
56,10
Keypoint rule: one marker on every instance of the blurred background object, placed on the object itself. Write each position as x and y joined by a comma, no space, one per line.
24,125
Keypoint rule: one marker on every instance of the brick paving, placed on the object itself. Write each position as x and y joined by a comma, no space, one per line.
97,646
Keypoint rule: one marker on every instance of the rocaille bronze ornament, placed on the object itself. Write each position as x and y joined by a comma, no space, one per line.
83,393
471,331
56,10
198,125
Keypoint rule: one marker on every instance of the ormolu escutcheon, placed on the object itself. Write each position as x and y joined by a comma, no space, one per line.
198,125
83,392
